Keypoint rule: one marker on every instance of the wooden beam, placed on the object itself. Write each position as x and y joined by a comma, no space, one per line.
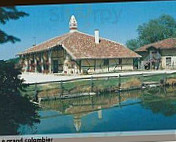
50,61
108,65
80,66
94,64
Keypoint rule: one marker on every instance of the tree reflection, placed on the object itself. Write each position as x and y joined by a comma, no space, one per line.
14,108
159,100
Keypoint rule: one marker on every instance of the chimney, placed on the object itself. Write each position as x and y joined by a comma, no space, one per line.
97,37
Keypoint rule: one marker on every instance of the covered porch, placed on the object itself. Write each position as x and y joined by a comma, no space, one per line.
151,59
47,61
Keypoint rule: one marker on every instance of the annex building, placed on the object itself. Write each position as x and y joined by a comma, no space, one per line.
76,52
158,55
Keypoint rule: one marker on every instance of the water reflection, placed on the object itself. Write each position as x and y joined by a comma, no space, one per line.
152,109
80,107
158,100
15,111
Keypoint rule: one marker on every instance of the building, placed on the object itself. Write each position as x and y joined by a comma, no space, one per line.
158,55
76,52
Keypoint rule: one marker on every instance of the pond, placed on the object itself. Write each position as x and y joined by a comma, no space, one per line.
141,110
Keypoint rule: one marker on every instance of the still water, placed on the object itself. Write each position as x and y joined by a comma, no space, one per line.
153,109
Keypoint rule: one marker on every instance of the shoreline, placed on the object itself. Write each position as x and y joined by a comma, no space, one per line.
32,78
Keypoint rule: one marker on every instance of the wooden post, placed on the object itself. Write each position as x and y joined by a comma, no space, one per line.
35,62
30,68
92,84
150,60
26,63
119,97
50,62
108,65
80,66
42,63
139,65
165,78
92,101
142,79
119,81
36,93
94,64
61,87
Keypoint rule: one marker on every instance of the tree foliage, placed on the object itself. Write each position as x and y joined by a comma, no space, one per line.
7,14
161,102
133,44
155,30
15,109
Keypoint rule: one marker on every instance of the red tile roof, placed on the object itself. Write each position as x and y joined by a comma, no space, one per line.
169,43
82,46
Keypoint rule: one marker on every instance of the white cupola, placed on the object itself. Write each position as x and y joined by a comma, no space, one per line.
73,24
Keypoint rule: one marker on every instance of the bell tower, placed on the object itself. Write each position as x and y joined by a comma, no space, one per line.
73,24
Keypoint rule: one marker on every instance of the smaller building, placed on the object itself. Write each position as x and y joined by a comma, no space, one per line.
158,55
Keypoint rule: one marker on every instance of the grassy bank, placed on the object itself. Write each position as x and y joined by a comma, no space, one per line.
97,85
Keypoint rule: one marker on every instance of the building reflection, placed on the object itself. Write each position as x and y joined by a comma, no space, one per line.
100,115
80,107
77,122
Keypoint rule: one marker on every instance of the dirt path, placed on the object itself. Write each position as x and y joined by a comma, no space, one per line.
39,78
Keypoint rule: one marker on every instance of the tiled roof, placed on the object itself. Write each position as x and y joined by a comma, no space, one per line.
45,45
169,43
82,46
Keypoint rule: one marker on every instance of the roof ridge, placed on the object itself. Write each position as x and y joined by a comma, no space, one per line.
101,38
69,34
70,39
157,42
110,41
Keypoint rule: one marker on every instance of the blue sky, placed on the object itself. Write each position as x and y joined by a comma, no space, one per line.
115,21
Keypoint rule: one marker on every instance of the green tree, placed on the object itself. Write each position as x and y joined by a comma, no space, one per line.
15,109
6,14
155,30
133,44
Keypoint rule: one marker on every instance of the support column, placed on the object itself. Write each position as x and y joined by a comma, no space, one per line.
26,63
49,59
150,60
42,63
139,64
95,65
30,68
108,65
80,66
35,62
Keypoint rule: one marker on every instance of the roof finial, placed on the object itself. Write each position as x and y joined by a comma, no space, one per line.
73,24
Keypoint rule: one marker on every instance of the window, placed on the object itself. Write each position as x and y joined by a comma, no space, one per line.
106,62
168,61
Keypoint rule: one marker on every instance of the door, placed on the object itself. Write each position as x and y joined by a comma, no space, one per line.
55,66
168,62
